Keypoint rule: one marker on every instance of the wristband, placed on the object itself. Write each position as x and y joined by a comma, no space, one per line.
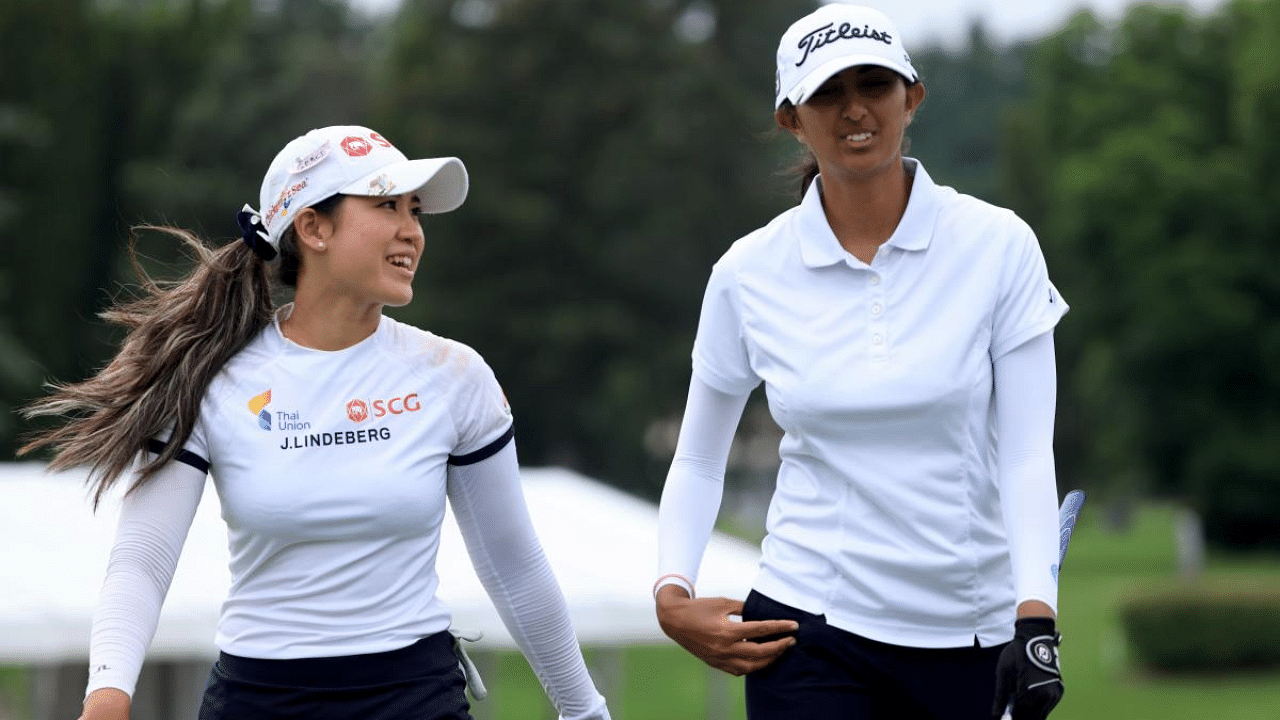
674,579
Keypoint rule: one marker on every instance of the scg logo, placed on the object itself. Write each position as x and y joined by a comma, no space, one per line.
359,411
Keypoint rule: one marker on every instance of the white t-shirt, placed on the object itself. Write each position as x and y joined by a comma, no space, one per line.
330,467
332,470
887,515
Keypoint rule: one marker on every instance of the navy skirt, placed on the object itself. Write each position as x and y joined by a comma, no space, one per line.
420,682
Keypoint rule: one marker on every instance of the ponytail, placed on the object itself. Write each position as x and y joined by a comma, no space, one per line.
180,334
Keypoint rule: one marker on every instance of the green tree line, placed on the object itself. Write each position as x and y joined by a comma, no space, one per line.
617,148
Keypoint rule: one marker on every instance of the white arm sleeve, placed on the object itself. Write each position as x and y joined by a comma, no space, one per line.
695,483
153,527
489,505
1025,396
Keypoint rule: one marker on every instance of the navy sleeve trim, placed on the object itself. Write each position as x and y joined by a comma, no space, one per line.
185,456
485,452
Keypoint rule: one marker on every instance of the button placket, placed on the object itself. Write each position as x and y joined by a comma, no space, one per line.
877,326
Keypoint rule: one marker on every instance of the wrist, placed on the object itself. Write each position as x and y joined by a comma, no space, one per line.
1035,608
674,580
107,702
671,594
1035,626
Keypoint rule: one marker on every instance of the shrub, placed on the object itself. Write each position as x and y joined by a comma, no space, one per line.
1204,629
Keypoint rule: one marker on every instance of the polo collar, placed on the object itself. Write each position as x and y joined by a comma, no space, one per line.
819,246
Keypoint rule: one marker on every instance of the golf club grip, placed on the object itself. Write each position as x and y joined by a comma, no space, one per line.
1068,513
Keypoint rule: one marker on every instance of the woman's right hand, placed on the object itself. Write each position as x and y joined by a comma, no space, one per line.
106,704
702,626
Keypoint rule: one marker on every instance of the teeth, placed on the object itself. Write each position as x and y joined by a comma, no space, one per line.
859,137
400,261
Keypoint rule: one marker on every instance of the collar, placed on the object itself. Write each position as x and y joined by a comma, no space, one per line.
819,246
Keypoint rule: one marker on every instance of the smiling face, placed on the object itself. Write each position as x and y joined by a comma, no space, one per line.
855,121
371,249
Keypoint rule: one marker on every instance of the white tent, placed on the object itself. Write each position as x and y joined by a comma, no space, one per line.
602,544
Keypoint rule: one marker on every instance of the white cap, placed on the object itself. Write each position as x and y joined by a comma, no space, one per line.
832,38
351,160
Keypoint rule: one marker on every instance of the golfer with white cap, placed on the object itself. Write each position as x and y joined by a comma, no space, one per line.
899,329
333,435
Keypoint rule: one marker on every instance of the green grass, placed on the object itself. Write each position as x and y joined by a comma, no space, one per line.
13,692
1102,569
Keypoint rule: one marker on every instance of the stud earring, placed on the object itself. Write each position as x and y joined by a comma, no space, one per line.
320,244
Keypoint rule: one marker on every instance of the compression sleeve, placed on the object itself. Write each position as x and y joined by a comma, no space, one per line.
695,483
1025,396
489,505
153,526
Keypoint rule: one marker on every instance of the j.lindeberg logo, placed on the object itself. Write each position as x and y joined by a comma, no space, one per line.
828,34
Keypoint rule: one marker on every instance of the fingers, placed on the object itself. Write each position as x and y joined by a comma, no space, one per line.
750,629
745,656
1036,704
724,605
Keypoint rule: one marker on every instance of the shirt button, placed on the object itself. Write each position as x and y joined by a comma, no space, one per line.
877,309
877,340
875,279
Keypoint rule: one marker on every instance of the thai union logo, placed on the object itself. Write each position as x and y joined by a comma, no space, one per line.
359,410
257,405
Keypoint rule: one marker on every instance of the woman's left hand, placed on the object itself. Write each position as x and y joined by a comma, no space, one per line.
1028,679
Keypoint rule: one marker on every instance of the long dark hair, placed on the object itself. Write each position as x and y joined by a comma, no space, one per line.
179,335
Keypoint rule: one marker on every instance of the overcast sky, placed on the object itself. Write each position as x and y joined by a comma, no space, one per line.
924,22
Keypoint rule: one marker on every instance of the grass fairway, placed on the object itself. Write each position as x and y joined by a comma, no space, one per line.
1102,570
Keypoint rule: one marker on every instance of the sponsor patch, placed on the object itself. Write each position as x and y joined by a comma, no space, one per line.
360,410
340,437
283,201
356,146
381,185
310,160
257,406
357,411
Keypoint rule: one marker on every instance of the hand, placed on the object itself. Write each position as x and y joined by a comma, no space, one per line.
106,704
703,627
1027,674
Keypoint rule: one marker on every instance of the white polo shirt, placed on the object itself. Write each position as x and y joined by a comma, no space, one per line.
886,517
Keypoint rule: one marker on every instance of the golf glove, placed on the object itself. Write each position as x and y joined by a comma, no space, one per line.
1027,674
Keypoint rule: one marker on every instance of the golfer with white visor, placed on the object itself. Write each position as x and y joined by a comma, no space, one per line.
903,333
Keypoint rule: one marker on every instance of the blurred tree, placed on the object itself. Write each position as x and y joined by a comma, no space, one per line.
614,154
959,131
54,106
1142,159
166,115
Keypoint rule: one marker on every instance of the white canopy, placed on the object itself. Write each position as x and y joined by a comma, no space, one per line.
602,544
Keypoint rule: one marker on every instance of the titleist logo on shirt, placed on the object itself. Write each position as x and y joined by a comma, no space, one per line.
828,34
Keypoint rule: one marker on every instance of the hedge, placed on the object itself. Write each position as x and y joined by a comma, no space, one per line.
1205,629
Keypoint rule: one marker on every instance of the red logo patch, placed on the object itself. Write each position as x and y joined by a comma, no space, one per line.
356,146
379,139
357,410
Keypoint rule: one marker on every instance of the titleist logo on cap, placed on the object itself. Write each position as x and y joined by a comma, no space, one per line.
829,33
